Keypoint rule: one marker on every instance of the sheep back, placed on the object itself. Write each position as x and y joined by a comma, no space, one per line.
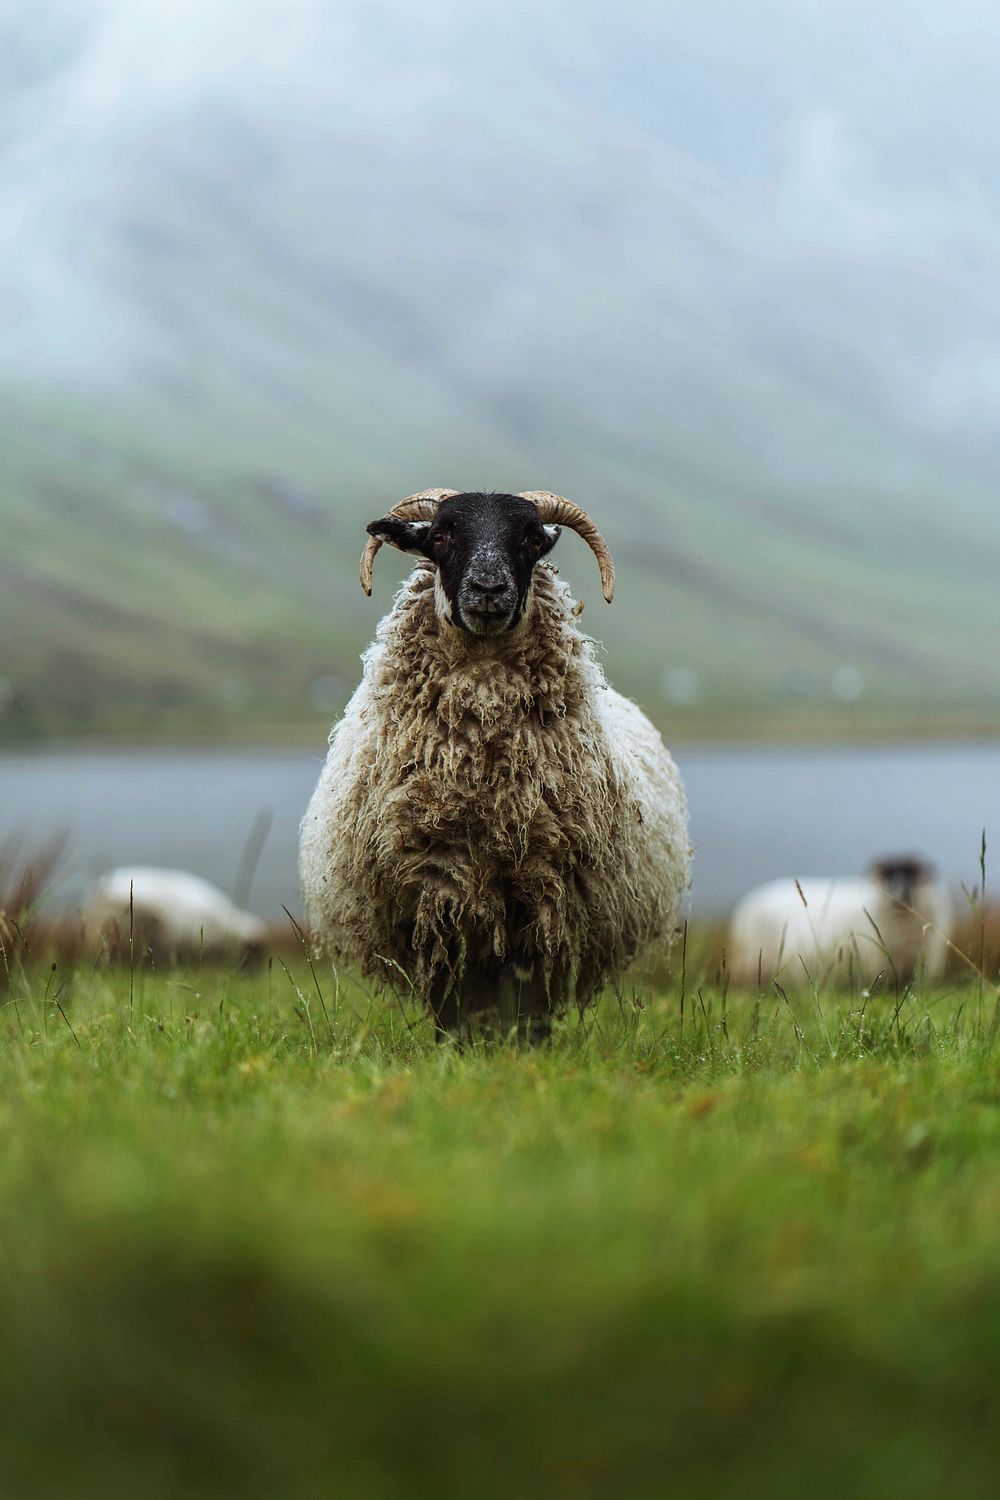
172,913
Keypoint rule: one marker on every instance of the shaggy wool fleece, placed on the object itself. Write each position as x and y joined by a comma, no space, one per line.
491,813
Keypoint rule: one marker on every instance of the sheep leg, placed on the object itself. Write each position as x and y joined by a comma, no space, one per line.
524,1006
485,1001
534,1030
444,1004
508,1002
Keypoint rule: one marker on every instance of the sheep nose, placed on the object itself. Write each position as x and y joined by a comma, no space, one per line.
488,588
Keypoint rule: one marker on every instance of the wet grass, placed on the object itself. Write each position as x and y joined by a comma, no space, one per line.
264,1237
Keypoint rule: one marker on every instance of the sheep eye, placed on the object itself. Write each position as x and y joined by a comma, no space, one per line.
441,543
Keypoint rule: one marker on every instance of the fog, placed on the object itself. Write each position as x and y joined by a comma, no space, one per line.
810,191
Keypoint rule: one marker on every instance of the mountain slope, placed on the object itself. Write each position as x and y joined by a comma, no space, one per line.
240,323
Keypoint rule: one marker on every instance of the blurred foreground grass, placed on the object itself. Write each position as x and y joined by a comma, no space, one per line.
252,1251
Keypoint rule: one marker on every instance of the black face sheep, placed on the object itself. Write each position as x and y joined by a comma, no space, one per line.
891,922
495,827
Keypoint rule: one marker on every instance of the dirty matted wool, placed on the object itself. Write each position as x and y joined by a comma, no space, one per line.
492,807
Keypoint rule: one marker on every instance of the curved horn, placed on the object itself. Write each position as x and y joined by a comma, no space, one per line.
557,510
419,507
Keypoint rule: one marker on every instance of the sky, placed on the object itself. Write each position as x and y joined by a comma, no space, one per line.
813,184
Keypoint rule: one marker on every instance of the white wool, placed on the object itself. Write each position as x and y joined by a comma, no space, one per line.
492,802
178,912
839,926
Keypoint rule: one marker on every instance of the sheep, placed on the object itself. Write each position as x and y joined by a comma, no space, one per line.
495,830
174,916
892,922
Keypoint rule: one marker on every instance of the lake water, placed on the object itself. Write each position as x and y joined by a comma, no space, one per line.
755,813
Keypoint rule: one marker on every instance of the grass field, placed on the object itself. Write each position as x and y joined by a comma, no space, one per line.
262,1241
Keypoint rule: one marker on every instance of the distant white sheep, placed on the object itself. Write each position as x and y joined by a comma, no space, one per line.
894,921
173,915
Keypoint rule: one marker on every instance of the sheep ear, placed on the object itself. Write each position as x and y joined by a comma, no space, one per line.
407,536
552,535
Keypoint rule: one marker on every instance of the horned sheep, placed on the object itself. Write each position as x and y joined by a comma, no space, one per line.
890,923
495,828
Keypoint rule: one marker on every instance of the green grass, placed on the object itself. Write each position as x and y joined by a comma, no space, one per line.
256,1244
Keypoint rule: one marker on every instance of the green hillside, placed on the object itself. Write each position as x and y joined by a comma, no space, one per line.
234,332
158,579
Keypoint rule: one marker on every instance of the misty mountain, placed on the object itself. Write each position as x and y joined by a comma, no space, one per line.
267,269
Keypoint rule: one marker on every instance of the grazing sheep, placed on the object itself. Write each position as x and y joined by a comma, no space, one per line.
894,921
494,827
174,916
